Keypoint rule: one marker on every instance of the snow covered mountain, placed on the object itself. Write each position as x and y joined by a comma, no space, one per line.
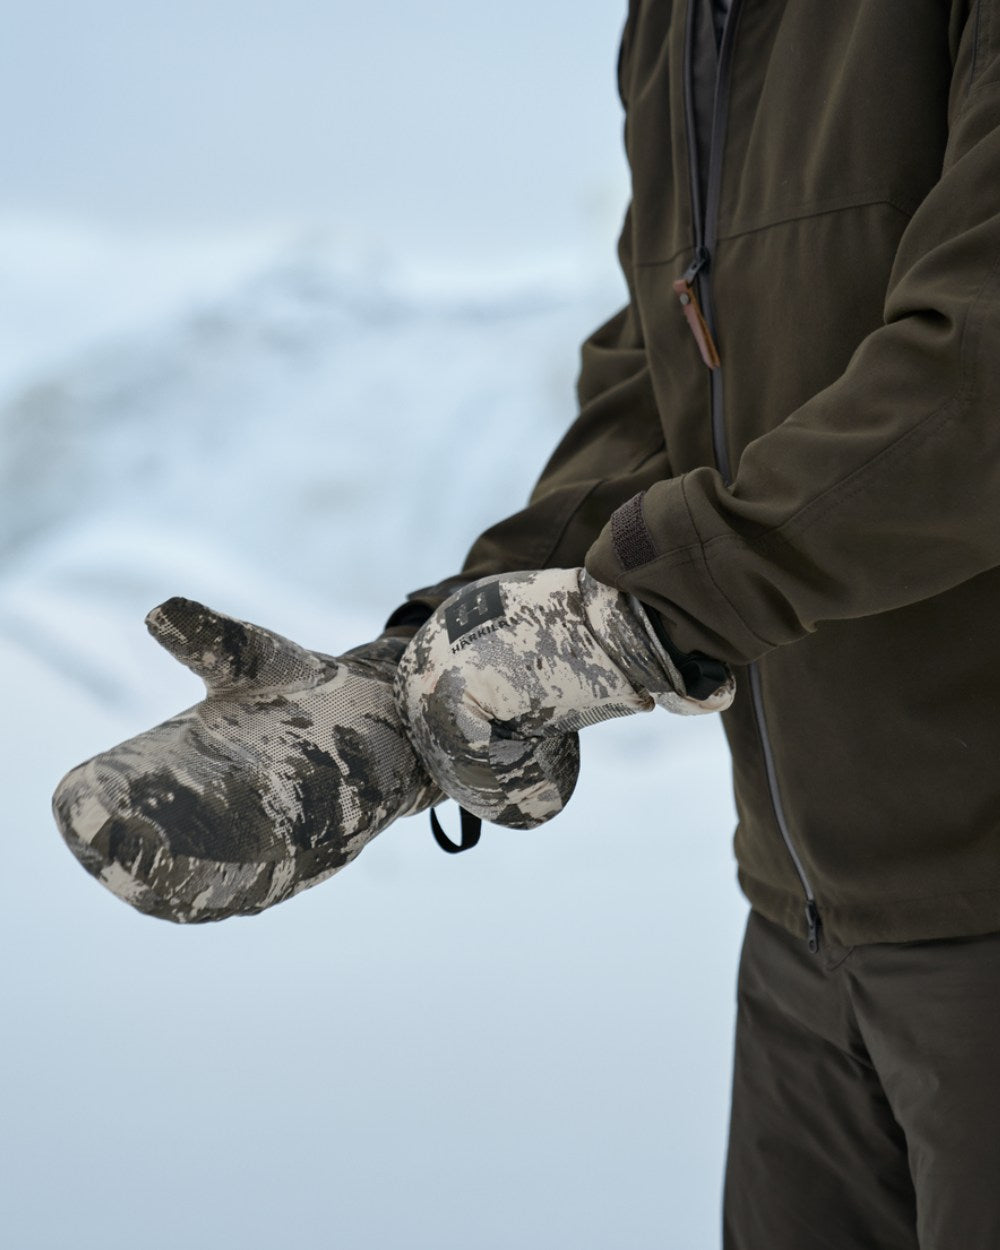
336,427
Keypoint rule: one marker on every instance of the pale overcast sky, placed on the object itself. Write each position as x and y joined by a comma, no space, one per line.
427,124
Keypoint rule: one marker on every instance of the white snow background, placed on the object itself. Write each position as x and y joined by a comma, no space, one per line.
296,420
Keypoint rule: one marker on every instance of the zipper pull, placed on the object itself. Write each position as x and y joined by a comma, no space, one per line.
812,924
685,292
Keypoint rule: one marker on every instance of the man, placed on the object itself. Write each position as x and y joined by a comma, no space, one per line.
786,467
819,511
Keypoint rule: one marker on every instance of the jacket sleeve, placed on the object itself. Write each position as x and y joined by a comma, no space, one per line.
884,488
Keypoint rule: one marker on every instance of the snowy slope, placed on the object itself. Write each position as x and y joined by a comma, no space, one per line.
527,1046
325,423
310,397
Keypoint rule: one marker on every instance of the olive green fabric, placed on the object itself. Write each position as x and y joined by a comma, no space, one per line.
856,284
865,1096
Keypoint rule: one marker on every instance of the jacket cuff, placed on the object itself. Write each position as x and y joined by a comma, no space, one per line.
676,582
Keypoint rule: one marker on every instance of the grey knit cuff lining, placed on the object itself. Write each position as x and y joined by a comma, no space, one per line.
632,540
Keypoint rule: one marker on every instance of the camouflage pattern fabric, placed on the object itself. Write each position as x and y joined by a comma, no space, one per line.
293,762
495,686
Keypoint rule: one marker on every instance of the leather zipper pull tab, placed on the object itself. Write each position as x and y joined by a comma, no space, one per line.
699,326
685,292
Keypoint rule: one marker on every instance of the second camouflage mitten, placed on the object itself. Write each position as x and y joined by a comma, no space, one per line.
287,768
494,687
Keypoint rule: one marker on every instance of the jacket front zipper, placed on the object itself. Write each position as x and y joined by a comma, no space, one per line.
696,301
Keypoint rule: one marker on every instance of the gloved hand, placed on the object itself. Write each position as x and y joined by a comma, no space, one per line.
288,767
496,684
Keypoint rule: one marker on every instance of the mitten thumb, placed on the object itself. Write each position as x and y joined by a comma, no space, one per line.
227,654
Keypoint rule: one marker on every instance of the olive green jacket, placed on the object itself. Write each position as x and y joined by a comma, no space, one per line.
822,510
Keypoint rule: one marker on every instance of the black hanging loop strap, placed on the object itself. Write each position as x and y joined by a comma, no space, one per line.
472,828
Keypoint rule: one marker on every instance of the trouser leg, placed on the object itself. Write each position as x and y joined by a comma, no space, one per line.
929,1013
817,1160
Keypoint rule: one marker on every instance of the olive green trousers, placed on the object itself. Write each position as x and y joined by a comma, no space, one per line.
866,1096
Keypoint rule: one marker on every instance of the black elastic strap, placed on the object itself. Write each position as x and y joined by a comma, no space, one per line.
472,828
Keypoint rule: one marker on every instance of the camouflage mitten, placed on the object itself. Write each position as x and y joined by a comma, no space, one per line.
495,685
279,777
